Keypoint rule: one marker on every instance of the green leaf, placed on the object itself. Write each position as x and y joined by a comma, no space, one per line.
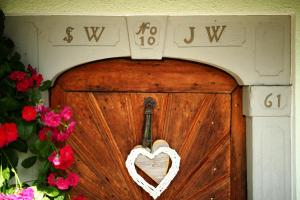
45,149
50,191
6,47
32,148
46,85
19,145
16,57
10,190
38,195
29,162
25,129
60,197
8,104
6,173
1,180
4,68
44,168
12,156
8,87
45,198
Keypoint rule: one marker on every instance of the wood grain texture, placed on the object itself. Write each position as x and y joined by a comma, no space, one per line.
203,122
238,153
121,75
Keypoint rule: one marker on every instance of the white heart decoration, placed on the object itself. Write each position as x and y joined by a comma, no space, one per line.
157,167
162,186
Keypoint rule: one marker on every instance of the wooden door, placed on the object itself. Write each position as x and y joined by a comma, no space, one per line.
199,113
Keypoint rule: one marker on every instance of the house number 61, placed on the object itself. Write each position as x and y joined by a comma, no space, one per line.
269,103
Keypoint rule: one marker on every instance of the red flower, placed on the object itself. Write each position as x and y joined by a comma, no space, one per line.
64,159
62,183
17,75
8,133
11,132
2,137
24,85
79,197
37,78
73,179
51,179
43,133
24,82
31,69
28,113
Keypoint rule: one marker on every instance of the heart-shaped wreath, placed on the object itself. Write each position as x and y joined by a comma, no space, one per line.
165,182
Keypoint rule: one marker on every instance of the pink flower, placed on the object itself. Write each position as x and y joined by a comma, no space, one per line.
40,108
62,183
63,135
26,194
66,113
63,159
55,159
51,119
71,127
73,179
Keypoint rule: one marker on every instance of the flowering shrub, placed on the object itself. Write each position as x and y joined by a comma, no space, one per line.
26,194
28,126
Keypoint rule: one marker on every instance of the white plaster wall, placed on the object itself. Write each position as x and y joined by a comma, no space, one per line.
171,7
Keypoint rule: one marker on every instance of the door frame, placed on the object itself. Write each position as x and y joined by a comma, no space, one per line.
40,41
211,80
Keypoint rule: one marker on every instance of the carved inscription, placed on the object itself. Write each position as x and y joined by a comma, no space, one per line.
269,103
192,35
68,38
146,35
214,33
209,35
93,32
86,35
268,100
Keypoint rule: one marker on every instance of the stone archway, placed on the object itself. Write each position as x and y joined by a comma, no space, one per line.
256,50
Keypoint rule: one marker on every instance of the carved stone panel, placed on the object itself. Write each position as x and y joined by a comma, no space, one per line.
269,49
146,36
210,35
267,100
86,34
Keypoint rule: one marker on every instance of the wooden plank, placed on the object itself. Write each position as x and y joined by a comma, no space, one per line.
206,132
124,75
238,145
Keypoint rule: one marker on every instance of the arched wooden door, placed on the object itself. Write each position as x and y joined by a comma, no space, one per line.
199,113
